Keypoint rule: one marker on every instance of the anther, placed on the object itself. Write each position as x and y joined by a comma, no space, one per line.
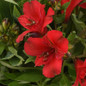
32,22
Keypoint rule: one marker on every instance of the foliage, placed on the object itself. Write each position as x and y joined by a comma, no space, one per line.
16,67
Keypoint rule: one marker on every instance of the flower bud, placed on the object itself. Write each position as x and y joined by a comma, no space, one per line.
51,1
15,29
5,38
16,45
5,23
57,5
1,28
70,46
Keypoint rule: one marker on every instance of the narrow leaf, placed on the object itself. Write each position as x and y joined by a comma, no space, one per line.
12,1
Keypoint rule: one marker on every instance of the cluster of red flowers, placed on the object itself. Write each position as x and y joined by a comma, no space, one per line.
48,46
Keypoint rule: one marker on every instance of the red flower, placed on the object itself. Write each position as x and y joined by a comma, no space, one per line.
71,7
49,51
64,1
80,73
34,18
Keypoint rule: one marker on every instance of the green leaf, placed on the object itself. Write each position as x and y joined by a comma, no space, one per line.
12,1
83,1
65,5
2,47
14,83
5,10
71,37
78,24
64,81
2,70
15,61
31,76
78,49
9,55
71,71
16,13
5,82
11,76
14,51
59,18
30,59
55,81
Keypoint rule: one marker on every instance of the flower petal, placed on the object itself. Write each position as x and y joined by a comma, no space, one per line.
54,35
64,1
83,5
43,60
59,42
53,68
76,82
62,45
35,46
48,18
21,36
23,20
32,9
70,8
39,61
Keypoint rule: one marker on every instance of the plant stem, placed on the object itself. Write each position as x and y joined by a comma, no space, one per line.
49,27
16,68
38,84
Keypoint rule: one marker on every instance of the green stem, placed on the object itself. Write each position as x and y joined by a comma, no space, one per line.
49,27
16,68
38,84
46,80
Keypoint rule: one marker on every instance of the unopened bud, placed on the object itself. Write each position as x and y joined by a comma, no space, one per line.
70,46
5,38
51,1
57,5
5,23
16,45
1,28
15,29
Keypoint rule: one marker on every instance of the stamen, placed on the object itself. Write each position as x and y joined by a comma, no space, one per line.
47,54
32,22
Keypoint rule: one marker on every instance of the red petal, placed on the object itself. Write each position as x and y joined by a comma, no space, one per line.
59,42
83,5
62,45
84,63
23,20
54,35
21,36
76,82
83,83
48,18
32,9
64,1
35,46
70,8
39,61
53,68
43,60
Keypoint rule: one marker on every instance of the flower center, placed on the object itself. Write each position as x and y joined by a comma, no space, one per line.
47,54
32,22
83,78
